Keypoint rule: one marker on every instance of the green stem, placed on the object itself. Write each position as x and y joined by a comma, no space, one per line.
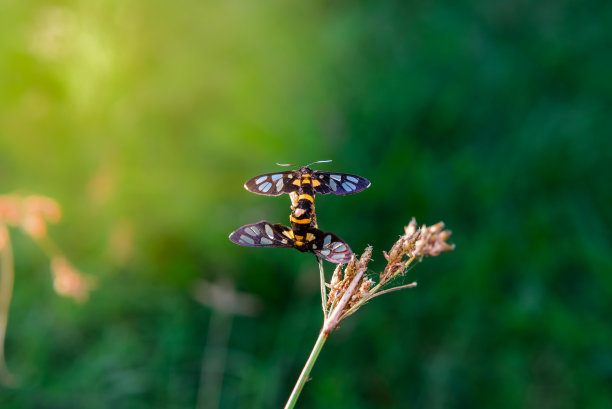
323,288
297,389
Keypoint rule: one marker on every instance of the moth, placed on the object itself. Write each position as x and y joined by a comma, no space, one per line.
265,234
302,185
322,183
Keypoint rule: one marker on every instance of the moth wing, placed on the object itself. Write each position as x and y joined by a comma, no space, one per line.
262,234
273,184
330,247
338,183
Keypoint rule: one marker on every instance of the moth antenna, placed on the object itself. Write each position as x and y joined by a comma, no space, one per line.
286,164
320,161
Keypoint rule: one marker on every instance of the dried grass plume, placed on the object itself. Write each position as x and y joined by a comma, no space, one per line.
350,288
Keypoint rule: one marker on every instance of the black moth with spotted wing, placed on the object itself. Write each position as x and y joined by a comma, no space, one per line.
264,234
274,184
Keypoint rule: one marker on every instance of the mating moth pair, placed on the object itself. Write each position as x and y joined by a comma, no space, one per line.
302,185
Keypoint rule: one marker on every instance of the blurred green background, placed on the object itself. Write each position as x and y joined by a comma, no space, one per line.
144,119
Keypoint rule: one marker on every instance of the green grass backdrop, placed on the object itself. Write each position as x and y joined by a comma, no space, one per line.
144,119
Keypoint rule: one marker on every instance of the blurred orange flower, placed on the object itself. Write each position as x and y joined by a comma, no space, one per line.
35,210
69,282
10,209
31,212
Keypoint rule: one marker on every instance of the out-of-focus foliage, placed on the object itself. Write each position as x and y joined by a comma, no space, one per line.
144,118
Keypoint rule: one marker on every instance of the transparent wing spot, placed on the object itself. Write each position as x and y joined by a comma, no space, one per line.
261,179
284,241
333,185
269,231
338,256
325,252
279,184
348,186
314,246
265,240
352,179
327,240
336,177
276,177
265,186
252,231
339,247
246,239
321,176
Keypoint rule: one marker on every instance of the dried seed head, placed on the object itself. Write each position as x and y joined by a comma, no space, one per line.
386,255
349,292
336,276
397,251
351,268
412,234
365,257
436,228
364,289
412,227
408,244
432,241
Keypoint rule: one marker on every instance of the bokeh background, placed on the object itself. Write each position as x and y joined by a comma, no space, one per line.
143,119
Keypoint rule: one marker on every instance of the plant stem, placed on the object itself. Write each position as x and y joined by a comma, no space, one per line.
390,290
336,316
7,277
297,389
323,289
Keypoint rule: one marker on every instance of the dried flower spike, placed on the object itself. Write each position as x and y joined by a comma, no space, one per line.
432,240
413,245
